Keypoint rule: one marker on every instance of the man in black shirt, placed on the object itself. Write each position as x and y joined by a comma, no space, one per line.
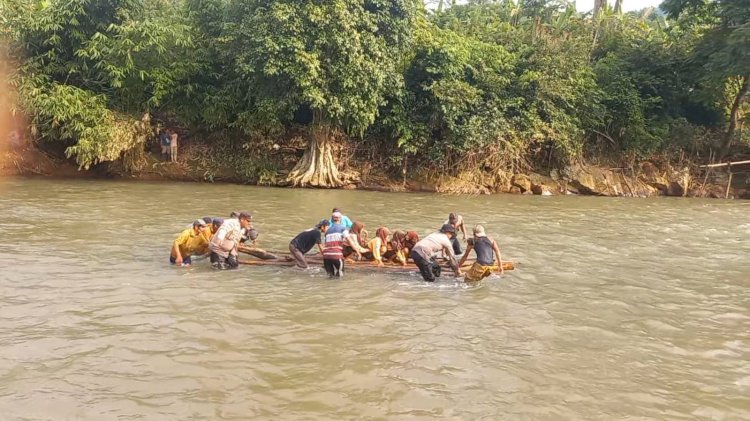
305,241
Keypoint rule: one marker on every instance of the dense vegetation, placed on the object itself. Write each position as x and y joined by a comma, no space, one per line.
492,84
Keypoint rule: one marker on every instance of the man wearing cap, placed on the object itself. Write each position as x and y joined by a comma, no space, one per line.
345,221
224,243
486,250
305,241
190,241
424,252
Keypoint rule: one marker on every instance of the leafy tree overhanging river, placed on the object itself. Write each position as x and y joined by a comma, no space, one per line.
352,88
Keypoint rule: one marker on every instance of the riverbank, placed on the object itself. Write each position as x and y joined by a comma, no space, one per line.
643,179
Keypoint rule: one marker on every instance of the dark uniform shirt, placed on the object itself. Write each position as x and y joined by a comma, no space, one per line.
484,251
306,240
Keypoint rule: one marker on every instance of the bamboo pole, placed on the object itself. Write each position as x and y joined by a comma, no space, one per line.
725,164
729,184
507,265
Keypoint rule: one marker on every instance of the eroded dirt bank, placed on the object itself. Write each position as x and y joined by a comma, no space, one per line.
646,179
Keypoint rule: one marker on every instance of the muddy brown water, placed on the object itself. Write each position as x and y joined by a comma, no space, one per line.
619,309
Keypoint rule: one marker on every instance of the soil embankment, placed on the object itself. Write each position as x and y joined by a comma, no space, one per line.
646,179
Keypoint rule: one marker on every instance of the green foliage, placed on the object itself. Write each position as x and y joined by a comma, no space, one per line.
456,97
91,64
334,57
489,83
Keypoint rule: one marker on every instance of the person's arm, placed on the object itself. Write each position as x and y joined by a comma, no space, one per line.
319,243
401,257
182,239
354,242
375,249
448,251
462,228
176,252
469,247
499,257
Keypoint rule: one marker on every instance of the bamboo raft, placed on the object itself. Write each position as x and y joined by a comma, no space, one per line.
267,258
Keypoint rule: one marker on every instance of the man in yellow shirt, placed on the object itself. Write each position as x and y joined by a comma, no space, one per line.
190,241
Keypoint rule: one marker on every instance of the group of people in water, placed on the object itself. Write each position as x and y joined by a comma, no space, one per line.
339,240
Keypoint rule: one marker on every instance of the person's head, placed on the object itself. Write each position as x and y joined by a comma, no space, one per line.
383,233
216,223
357,227
334,210
336,217
448,230
234,214
199,225
245,218
322,225
453,219
252,234
479,231
208,220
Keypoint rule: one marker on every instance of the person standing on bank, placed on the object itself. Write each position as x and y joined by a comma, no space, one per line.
173,145
425,250
486,249
224,243
305,241
164,143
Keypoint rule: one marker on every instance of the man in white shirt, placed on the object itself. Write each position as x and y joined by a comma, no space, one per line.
224,243
424,252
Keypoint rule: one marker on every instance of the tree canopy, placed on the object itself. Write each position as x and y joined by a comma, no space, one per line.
490,83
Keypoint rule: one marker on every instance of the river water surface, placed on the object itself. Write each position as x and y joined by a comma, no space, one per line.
618,309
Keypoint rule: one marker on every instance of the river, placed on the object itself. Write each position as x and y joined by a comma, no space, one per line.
619,308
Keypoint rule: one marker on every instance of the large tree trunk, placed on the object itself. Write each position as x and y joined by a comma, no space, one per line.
317,168
618,7
598,4
734,114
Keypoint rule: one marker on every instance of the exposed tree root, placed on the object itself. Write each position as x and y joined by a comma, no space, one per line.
317,167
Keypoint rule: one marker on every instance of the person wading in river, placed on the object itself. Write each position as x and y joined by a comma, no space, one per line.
486,250
191,241
424,252
345,221
378,246
224,243
305,241
333,247
457,221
